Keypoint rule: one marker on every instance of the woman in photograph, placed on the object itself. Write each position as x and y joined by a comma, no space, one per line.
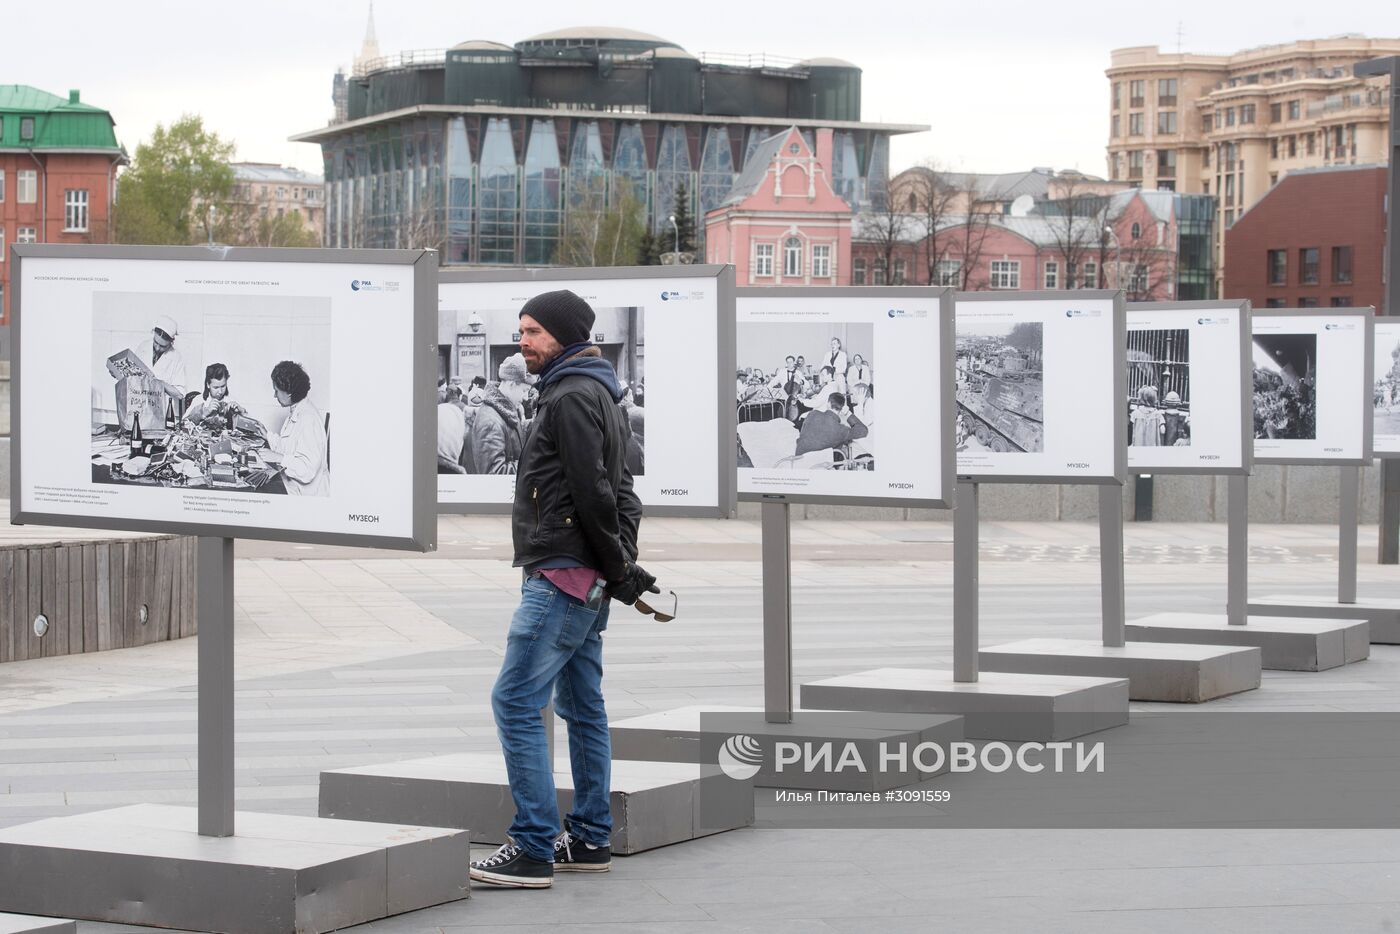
1147,420
836,361
859,372
1177,422
301,443
214,407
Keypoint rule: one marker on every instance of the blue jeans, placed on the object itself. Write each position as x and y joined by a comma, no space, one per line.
555,646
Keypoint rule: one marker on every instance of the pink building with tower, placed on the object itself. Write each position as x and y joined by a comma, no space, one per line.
782,223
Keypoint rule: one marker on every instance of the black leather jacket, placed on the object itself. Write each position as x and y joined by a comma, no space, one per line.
573,491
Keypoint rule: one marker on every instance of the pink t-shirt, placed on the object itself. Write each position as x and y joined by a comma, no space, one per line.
576,582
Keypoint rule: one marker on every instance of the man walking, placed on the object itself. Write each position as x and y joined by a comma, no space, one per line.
574,526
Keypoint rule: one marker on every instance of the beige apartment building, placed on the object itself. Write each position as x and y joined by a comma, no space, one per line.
279,190
1233,125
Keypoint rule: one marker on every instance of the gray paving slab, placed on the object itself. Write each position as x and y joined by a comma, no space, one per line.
880,596
30,924
1156,671
277,874
1382,614
1286,643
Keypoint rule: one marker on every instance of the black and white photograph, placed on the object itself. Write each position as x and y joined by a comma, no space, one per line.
1159,388
805,393
486,397
1385,393
1285,386
1000,386
231,394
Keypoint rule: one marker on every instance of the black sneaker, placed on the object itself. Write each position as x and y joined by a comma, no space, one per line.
573,855
510,866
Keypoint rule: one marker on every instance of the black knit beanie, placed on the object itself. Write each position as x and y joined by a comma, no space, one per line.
563,314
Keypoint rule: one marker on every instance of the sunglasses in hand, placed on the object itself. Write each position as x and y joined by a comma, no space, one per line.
660,615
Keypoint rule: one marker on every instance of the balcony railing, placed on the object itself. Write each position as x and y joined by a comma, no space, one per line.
416,58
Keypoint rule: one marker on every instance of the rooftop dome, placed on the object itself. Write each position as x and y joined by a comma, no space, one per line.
481,45
671,52
600,33
827,63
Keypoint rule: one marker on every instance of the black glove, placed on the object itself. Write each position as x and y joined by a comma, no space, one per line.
633,584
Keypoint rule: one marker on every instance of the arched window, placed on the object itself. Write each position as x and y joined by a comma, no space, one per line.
792,257
1137,231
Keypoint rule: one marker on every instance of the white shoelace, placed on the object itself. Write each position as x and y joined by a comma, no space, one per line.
505,854
564,840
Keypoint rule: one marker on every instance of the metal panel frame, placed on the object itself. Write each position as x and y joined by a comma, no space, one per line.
947,455
1246,386
1120,362
723,275
1367,314
1377,455
423,263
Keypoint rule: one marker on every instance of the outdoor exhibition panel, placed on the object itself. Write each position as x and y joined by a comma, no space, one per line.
1385,396
669,333
207,383
1189,382
1380,614
1040,387
1311,401
1312,386
118,347
807,391
1187,394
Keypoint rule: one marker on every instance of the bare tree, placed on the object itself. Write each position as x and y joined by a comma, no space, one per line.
889,231
932,195
1076,223
597,233
967,236
1147,271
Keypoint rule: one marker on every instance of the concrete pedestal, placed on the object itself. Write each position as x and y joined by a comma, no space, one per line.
1382,614
653,803
1156,671
1041,708
1287,644
696,734
147,865
28,924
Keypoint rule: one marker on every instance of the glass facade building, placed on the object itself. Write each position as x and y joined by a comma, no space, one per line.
483,150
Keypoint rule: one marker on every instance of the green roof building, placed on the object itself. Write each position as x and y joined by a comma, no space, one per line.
58,172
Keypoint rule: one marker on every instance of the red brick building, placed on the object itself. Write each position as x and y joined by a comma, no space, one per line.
1316,240
58,172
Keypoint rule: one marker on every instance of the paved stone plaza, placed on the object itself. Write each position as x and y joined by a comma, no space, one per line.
351,657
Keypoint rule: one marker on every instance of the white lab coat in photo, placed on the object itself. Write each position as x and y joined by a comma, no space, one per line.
302,444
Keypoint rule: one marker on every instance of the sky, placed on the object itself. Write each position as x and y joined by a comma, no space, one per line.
1004,87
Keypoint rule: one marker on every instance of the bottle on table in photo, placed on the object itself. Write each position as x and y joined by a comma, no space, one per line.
136,436
169,414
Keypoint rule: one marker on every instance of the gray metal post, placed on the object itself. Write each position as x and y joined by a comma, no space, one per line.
1237,551
777,613
1111,564
1389,550
1347,520
215,651
1390,511
965,557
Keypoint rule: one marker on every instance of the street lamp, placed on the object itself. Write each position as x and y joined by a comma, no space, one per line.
678,237
474,322
1117,257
